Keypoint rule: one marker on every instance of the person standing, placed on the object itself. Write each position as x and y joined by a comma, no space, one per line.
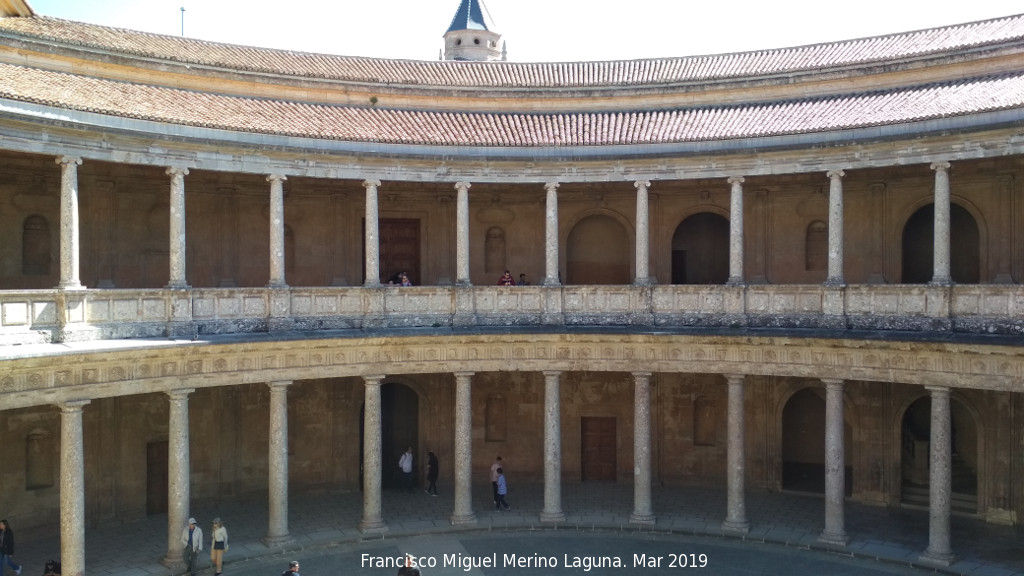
7,548
293,569
498,465
502,491
405,463
218,545
506,279
432,470
192,542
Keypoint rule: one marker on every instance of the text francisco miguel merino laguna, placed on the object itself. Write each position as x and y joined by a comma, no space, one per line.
467,562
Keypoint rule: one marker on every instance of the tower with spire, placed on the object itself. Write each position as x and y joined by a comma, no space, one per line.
469,37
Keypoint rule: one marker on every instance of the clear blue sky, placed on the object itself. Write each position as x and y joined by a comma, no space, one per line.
536,30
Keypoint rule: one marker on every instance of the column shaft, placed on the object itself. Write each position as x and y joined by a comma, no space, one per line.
277,524
643,233
835,466
736,516
940,480
552,449
551,277
463,511
643,512
835,228
72,489
736,231
372,520
462,233
70,246
277,263
941,275
371,234
177,228
178,487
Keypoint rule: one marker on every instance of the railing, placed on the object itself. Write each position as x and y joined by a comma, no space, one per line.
36,316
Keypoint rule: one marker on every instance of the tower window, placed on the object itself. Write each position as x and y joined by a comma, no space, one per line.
476,40
458,42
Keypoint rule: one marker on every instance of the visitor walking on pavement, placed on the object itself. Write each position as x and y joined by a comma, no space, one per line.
405,463
498,464
7,548
432,470
192,543
502,491
218,545
293,569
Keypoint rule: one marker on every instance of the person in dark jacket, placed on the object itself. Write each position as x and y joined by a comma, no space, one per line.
7,548
432,470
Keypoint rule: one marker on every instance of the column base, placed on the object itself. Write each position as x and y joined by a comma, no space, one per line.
937,558
834,538
644,519
736,526
173,560
373,526
277,541
552,517
463,519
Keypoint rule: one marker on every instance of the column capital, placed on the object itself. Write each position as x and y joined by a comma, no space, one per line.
645,184
371,183
180,393
941,165
68,160
72,406
373,379
276,178
736,180
938,390
551,186
551,373
735,378
279,384
464,374
837,173
642,374
176,171
832,382
463,186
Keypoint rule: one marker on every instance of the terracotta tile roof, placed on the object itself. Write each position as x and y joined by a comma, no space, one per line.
519,75
362,124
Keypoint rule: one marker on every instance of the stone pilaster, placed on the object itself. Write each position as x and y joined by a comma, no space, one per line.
835,228
736,231
643,512
643,234
373,520
940,480
835,462
72,488
69,227
462,234
277,460
463,511
551,277
277,264
177,228
552,449
941,275
736,515
178,487
372,239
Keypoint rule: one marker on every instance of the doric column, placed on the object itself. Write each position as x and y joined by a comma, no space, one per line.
277,460
552,449
643,512
835,228
72,488
178,488
462,233
940,480
277,279
371,240
69,228
177,227
551,236
835,466
643,234
941,276
736,516
372,520
736,231
463,512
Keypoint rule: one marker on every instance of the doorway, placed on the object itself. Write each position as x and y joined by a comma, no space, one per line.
399,420
156,477
598,449
399,244
700,250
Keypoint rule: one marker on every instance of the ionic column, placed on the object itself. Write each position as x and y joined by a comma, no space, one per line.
72,488
462,233
940,480
551,236
736,516
177,228
942,276
552,449
69,227
643,512
277,461
277,279
736,231
463,512
371,239
643,234
178,488
372,520
835,462
835,228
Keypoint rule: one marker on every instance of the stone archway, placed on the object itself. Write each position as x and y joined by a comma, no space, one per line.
915,437
919,241
399,421
700,250
803,443
598,252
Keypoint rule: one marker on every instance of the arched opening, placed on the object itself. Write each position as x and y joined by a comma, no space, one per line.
919,246
35,246
915,445
400,425
803,444
597,252
700,250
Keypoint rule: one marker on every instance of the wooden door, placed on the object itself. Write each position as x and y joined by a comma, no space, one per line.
598,449
400,248
156,477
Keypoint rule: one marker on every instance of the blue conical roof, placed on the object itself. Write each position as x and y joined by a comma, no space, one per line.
469,16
